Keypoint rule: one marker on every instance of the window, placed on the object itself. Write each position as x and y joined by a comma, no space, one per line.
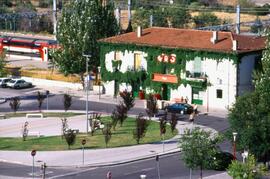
117,55
137,61
197,65
219,93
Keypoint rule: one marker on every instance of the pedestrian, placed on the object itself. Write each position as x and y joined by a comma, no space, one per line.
191,117
195,109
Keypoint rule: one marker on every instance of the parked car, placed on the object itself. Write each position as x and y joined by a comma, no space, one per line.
221,161
3,82
18,84
182,108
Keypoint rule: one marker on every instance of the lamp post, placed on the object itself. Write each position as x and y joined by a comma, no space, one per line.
99,82
87,86
234,144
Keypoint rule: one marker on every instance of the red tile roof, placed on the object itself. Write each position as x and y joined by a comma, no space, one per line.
190,39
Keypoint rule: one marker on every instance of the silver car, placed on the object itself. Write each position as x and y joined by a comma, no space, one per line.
18,84
4,81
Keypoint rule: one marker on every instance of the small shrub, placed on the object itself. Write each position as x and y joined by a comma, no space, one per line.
15,104
151,106
107,133
64,126
25,131
67,100
40,99
128,99
173,122
141,128
70,137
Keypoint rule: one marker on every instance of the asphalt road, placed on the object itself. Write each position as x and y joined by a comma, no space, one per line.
170,167
29,102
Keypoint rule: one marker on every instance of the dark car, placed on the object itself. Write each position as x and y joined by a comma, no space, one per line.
182,108
221,161
3,82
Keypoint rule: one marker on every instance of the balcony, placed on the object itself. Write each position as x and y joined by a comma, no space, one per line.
196,76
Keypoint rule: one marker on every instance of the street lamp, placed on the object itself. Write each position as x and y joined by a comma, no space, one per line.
87,86
234,144
99,82
245,155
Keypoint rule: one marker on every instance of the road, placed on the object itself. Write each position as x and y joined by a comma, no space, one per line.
171,167
29,102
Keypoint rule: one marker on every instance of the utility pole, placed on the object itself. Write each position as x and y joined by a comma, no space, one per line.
87,88
151,20
54,17
237,27
118,15
129,11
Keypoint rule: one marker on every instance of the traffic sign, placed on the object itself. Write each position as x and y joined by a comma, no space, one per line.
33,153
83,142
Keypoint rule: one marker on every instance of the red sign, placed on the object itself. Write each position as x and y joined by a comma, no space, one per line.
166,58
33,152
83,142
165,78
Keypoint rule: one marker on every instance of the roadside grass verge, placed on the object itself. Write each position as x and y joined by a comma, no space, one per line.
122,136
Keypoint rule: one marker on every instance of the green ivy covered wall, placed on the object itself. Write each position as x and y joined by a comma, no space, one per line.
153,66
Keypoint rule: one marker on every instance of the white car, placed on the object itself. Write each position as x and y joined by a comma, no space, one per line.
18,84
4,81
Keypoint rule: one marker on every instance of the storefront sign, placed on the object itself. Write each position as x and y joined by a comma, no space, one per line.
166,58
165,78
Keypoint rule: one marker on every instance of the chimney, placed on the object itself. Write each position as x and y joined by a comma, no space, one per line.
139,31
214,38
234,45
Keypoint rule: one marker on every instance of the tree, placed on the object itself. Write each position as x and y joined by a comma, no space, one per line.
257,27
3,62
128,99
121,113
248,170
70,137
64,126
198,148
151,106
40,99
141,128
206,19
15,104
81,25
162,126
67,100
107,133
114,117
162,17
250,116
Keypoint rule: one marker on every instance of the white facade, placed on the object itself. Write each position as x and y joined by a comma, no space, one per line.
226,80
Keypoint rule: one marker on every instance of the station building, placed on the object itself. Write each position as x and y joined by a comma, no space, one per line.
209,68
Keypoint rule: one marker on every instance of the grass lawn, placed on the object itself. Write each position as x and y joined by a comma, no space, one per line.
51,114
122,136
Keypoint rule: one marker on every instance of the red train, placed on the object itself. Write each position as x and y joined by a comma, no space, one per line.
26,46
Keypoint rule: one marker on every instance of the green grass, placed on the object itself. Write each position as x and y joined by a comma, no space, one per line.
122,136
51,114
